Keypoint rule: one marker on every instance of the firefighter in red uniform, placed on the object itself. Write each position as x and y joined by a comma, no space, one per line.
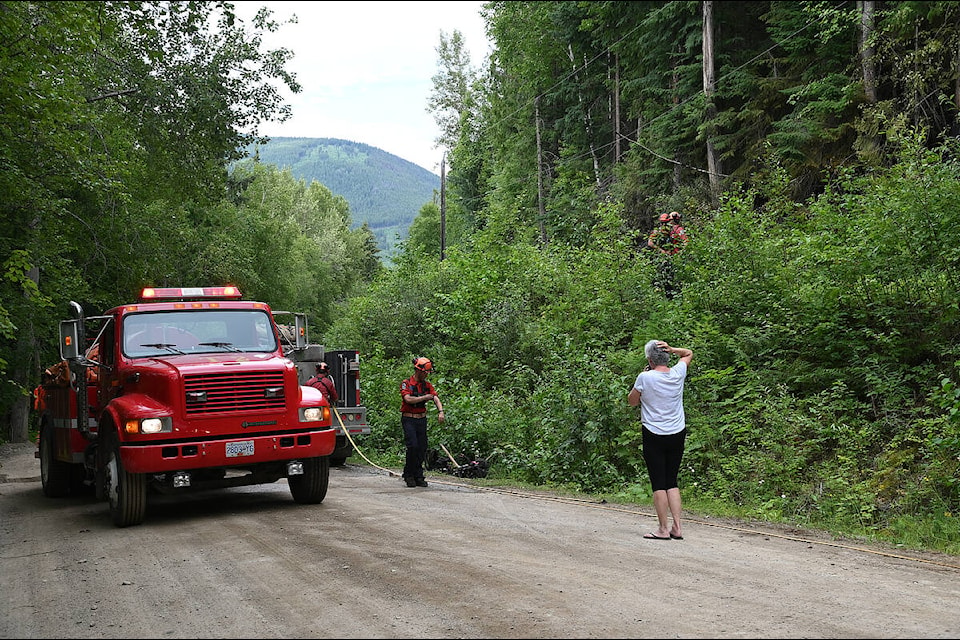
415,393
668,238
324,383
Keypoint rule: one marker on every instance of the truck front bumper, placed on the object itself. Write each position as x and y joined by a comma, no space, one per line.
234,452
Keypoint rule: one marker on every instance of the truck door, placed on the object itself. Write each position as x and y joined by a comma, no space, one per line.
103,351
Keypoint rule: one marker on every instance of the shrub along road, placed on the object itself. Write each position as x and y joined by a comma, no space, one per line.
380,560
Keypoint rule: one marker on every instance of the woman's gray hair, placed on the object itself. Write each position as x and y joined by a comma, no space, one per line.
657,356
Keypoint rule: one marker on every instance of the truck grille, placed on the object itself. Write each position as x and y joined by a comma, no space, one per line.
234,392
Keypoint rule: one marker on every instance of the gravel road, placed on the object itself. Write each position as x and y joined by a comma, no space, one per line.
380,560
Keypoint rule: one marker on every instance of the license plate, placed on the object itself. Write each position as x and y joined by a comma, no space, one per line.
242,448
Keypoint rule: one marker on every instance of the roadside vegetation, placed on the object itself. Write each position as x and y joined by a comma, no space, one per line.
817,174
822,390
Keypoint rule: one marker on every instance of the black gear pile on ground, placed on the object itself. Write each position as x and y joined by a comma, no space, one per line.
473,469
437,461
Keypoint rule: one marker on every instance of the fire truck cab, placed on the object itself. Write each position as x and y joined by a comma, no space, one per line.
186,389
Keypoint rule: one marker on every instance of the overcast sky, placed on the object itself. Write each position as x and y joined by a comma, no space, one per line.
365,69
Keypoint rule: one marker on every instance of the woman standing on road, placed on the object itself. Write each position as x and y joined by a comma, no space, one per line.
659,392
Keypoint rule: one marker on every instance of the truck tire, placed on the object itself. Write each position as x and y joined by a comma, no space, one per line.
341,452
126,492
311,486
55,475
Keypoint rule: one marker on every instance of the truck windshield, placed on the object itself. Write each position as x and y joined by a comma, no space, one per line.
197,331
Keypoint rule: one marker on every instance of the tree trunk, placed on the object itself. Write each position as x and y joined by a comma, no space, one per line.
20,420
675,93
956,94
541,207
955,122
713,163
443,207
25,361
867,52
616,109
587,121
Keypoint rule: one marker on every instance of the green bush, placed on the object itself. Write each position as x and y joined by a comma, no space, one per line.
821,334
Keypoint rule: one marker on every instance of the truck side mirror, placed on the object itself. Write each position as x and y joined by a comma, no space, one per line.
69,340
300,323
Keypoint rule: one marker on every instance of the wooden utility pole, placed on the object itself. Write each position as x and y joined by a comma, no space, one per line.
713,164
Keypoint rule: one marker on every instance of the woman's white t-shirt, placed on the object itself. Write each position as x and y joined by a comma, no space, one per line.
661,399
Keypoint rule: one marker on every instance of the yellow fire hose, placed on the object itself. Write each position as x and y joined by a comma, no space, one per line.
355,447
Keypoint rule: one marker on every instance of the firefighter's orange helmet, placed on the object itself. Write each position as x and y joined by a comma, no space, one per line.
423,364
664,217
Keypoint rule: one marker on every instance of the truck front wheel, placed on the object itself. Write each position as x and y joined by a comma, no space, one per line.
126,492
54,474
311,486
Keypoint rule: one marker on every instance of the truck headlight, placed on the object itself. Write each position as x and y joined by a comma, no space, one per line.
148,425
151,425
313,414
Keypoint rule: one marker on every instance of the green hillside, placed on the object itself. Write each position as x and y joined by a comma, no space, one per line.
383,190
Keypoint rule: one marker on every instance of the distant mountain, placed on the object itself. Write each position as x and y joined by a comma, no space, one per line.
383,190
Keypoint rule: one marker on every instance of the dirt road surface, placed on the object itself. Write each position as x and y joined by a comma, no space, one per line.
380,560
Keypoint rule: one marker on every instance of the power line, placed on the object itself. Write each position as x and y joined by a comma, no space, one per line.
609,50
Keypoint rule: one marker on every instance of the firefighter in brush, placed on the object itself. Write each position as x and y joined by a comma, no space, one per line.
415,393
667,239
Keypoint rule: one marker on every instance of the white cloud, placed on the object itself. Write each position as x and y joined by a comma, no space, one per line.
365,69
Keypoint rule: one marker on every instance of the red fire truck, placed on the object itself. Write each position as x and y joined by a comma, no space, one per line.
187,389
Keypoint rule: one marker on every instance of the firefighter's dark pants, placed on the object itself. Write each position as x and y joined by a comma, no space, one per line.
415,438
665,280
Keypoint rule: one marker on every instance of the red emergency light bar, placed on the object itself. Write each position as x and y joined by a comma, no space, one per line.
190,293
